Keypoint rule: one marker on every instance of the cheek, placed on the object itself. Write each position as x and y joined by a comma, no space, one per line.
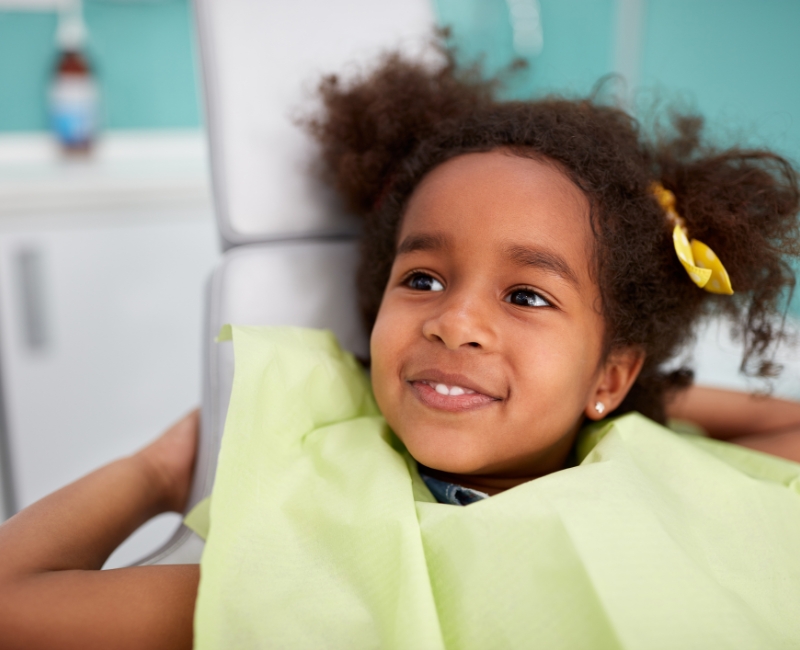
386,346
557,370
585,362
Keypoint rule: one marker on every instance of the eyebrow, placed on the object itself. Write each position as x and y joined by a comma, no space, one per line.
540,258
423,242
543,259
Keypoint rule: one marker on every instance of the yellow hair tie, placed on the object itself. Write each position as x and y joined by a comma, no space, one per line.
703,266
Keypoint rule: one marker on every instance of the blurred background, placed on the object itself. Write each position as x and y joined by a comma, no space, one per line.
107,231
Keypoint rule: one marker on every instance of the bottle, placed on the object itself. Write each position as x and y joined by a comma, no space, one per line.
74,96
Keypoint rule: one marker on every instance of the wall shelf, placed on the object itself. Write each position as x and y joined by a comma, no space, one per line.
127,169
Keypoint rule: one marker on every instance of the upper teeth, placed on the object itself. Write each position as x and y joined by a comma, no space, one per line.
444,389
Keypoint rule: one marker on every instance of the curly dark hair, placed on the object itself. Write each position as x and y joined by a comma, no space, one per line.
382,132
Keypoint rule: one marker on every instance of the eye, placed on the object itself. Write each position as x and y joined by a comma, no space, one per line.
526,298
423,282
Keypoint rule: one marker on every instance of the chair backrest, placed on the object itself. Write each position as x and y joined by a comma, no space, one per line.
306,282
291,253
303,282
261,61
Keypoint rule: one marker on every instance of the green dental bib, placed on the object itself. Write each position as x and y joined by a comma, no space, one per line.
322,534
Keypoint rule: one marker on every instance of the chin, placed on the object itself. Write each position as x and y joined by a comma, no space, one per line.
454,459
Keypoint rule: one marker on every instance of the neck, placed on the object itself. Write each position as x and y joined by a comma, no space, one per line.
491,485
495,482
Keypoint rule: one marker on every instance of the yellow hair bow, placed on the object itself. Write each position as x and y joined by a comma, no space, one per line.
703,266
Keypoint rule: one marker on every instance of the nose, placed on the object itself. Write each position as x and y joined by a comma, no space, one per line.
462,320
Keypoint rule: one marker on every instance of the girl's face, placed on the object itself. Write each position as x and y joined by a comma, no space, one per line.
486,352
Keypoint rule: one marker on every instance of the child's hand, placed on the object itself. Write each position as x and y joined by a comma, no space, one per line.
170,460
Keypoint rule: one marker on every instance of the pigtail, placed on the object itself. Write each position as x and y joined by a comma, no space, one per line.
743,204
370,124
368,128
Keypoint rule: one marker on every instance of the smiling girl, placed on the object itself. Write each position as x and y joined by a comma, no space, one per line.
486,349
519,278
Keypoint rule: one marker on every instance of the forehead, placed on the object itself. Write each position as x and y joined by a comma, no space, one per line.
493,199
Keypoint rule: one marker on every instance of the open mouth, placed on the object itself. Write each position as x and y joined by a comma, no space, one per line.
449,396
444,389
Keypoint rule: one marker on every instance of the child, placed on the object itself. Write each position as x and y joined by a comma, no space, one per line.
519,277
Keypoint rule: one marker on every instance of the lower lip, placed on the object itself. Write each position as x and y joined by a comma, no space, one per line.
455,403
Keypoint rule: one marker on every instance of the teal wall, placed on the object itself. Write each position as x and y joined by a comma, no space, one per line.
578,47
144,58
735,61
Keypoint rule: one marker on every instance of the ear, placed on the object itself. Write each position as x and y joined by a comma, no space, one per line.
616,377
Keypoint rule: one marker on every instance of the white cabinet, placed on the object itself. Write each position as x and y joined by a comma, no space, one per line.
102,274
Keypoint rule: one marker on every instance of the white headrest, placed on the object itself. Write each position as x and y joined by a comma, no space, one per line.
262,60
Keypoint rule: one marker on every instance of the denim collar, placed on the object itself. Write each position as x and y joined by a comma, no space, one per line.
450,493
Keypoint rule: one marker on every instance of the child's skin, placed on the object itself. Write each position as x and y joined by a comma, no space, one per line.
52,594
491,291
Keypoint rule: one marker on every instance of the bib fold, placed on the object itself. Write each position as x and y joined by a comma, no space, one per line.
321,533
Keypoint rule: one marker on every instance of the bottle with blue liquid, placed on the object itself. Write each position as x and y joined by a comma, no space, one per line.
74,97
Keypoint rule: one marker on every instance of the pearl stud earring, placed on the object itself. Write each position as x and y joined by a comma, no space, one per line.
600,407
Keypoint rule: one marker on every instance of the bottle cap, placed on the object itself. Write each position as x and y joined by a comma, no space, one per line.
71,34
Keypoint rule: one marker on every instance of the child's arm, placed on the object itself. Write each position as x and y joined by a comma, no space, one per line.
52,594
764,423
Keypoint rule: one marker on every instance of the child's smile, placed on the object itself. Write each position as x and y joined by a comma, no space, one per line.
450,392
487,350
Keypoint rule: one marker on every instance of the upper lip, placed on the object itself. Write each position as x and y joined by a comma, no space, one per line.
451,379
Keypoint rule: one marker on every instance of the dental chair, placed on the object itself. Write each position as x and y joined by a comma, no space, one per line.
289,251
